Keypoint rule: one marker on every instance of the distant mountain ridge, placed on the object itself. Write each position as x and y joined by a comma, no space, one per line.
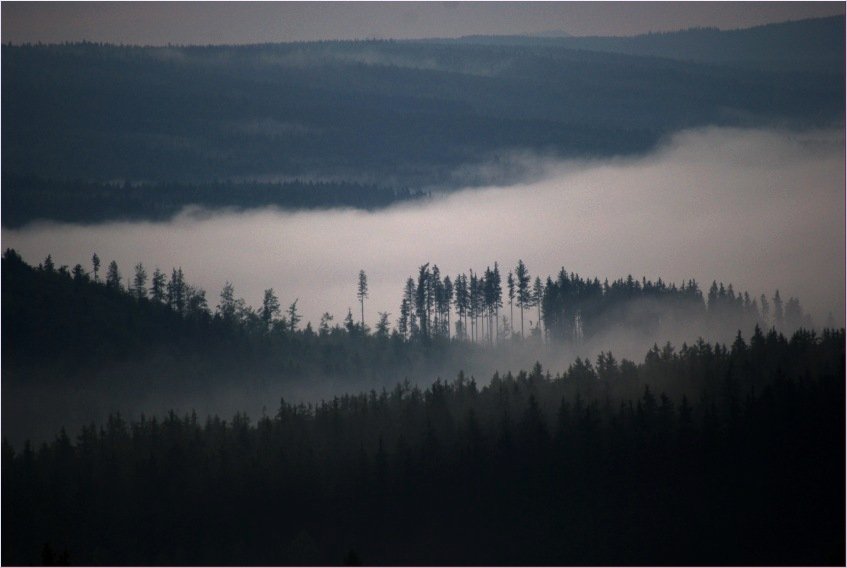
813,44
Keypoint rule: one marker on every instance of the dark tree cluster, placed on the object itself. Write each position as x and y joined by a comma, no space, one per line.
68,324
712,454
62,322
573,309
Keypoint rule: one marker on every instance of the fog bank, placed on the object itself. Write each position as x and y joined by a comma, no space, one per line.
761,209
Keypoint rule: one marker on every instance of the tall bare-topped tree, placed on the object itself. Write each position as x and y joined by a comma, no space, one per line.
362,293
522,281
474,304
410,295
435,293
538,297
447,288
488,299
461,293
510,283
423,300
497,293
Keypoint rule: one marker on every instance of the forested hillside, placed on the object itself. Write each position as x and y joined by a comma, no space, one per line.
26,198
371,117
73,324
79,344
584,467
604,461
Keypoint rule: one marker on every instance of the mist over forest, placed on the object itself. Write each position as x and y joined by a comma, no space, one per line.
494,299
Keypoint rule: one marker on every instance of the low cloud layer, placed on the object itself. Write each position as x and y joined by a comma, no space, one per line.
761,209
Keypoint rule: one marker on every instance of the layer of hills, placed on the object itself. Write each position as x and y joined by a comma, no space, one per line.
661,461
806,45
379,116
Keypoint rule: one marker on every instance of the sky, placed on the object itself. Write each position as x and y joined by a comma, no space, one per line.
161,23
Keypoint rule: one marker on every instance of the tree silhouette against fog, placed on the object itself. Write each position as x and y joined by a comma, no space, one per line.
522,288
362,293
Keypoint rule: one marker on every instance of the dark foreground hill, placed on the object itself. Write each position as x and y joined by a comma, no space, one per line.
587,467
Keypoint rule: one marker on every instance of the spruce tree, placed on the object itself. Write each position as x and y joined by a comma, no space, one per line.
140,281
95,262
523,293
362,293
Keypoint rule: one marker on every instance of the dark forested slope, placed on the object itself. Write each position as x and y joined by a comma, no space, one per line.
390,114
665,461
77,345
585,467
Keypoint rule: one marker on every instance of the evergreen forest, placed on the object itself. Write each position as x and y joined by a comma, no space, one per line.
530,299
604,461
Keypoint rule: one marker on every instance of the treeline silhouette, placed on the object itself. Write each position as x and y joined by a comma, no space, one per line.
68,322
29,198
709,454
66,325
572,308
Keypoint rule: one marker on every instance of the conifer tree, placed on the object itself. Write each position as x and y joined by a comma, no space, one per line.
382,326
270,308
113,276
293,317
523,293
226,306
323,329
422,300
510,283
448,300
176,290
140,281
362,293
95,263
537,297
157,286
497,293
403,320
410,295
778,313
79,274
